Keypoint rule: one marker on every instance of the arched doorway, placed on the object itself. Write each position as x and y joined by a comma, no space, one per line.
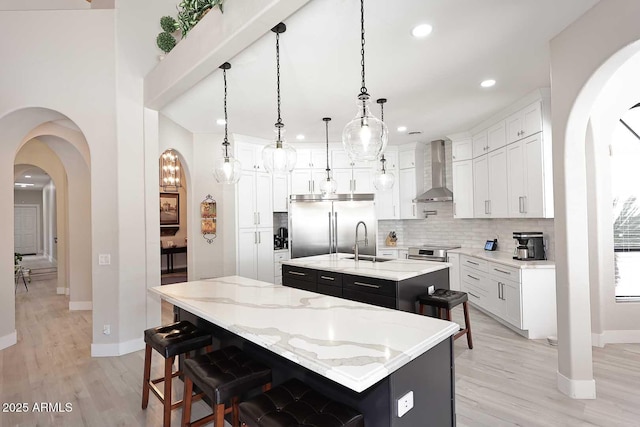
582,62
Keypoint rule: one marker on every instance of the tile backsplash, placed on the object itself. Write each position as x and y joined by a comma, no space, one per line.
443,229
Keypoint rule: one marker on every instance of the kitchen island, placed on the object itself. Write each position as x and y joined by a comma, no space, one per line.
364,356
391,283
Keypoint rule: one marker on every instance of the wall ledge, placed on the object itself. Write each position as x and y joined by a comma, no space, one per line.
117,349
8,340
80,305
577,389
623,336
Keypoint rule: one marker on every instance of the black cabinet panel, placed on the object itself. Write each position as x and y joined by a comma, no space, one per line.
299,274
330,278
369,298
300,284
334,291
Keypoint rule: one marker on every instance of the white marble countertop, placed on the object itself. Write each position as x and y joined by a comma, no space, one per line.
397,269
351,343
502,257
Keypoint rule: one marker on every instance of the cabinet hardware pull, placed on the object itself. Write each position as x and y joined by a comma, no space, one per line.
413,210
368,285
259,238
327,278
499,297
502,293
297,273
520,205
489,207
502,271
524,204
255,238
473,295
309,186
473,277
471,262
486,209
258,217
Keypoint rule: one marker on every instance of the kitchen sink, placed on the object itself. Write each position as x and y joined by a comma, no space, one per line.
370,258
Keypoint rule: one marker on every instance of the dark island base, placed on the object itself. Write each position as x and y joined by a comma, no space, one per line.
430,377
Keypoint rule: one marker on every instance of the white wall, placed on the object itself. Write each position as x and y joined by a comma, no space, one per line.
43,4
32,197
583,57
614,322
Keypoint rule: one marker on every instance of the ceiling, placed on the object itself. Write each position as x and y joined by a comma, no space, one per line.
432,84
37,177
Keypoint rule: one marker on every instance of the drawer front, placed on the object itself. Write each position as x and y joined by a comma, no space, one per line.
504,272
369,285
300,284
334,291
280,256
330,278
472,276
299,273
369,298
472,262
388,253
474,295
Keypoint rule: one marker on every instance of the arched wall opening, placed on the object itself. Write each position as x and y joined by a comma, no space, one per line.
582,62
18,130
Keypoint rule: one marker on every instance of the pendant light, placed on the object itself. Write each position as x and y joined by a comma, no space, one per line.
383,180
329,185
279,157
228,169
365,137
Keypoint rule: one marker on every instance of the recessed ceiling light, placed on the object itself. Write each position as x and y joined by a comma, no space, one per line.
402,128
300,137
221,122
27,176
488,83
422,30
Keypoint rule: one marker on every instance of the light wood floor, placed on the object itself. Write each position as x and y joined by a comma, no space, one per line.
505,380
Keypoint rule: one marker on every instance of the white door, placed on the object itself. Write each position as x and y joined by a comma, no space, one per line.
247,215
247,259
498,183
515,172
513,305
534,179
463,189
280,193
264,209
362,181
25,229
407,183
343,179
301,181
480,187
264,256
532,119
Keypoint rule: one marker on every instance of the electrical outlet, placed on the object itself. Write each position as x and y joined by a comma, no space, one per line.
431,289
106,329
104,259
405,404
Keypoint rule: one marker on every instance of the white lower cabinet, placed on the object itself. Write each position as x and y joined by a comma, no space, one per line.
387,253
524,298
403,253
278,257
255,254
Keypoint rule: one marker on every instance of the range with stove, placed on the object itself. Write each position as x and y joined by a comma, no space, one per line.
430,253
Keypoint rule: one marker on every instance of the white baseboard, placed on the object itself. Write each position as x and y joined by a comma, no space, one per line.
80,305
61,291
577,389
117,349
8,340
624,336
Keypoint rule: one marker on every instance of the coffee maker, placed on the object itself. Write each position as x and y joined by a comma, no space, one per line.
530,246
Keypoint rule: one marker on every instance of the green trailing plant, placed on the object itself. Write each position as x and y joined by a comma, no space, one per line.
166,41
190,12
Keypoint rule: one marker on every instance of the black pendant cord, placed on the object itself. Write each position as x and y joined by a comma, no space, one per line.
226,120
279,124
326,123
381,101
225,143
363,95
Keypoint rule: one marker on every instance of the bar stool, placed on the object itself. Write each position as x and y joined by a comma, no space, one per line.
170,341
447,300
294,403
222,375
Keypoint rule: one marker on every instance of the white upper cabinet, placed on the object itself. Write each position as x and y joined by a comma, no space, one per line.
461,149
463,189
496,136
480,187
280,193
410,179
480,146
311,158
250,156
340,160
497,174
525,122
407,159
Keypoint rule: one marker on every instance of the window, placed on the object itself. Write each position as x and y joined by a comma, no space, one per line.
625,181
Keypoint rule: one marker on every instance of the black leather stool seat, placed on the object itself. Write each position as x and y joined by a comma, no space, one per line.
443,298
226,373
294,404
176,338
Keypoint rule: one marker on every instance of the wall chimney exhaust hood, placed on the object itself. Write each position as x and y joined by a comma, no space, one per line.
439,191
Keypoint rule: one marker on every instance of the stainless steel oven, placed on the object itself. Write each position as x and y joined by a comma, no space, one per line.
430,253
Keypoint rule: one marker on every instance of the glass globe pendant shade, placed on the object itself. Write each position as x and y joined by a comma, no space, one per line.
227,170
328,186
365,137
279,157
383,180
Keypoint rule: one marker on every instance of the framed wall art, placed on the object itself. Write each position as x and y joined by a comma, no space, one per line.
169,209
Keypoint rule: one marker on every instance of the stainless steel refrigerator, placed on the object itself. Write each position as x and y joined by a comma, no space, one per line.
322,225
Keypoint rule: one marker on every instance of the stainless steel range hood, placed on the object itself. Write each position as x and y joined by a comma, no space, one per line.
439,191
